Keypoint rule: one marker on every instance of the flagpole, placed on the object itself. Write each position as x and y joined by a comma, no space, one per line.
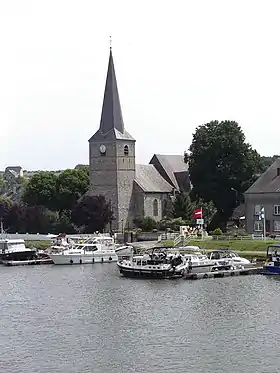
264,225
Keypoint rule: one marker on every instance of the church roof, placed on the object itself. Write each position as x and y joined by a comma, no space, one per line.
269,181
148,178
111,123
172,167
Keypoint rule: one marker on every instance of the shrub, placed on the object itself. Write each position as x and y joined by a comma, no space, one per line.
217,232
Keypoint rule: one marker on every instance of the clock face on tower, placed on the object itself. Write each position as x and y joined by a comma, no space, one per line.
102,149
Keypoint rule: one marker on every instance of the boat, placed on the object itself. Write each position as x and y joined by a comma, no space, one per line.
272,264
96,249
124,251
228,259
15,250
155,264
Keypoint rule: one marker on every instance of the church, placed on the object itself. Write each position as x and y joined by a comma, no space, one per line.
133,190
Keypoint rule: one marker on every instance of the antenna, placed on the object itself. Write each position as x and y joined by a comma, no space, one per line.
110,42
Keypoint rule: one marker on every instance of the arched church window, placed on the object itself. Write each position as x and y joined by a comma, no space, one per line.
155,207
125,150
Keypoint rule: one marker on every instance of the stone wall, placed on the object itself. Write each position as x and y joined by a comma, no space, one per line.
149,202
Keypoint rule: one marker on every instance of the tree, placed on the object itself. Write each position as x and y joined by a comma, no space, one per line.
183,207
41,190
222,166
92,213
5,208
147,224
208,210
71,186
267,161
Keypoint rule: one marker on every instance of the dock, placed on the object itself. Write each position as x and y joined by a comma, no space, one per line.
224,273
12,263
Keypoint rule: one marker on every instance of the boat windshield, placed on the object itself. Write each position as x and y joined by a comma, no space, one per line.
273,250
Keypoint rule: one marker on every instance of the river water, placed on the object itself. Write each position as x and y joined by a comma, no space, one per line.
85,319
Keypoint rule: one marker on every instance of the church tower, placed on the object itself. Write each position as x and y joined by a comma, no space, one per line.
112,155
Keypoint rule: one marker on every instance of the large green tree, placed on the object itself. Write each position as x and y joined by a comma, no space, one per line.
41,190
222,166
57,192
71,185
92,213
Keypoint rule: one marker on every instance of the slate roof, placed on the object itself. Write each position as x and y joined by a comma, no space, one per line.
111,123
148,178
268,182
16,169
174,167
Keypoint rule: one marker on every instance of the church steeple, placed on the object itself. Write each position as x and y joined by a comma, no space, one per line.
111,117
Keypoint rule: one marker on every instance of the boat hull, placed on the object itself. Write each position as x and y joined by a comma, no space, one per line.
271,270
13,263
71,259
18,256
147,273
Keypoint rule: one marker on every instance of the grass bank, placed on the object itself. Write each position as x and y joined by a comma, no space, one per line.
38,244
246,248
237,245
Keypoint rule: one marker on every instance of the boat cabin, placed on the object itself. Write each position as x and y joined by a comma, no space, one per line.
273,254
222,254
11,245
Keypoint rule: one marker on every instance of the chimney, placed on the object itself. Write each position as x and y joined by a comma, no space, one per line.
278,171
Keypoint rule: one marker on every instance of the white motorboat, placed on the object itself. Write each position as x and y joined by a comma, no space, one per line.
229,258
196,263
96,249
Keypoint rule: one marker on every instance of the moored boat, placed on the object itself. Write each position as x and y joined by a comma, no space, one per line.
15,250
97,249
228,258
272,264
156,264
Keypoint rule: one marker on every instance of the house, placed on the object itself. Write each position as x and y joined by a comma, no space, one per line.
12,174
133,190
265,192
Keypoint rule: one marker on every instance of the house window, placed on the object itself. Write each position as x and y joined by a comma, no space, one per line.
125,150
155,207
276,210
276,226
258,226
257,209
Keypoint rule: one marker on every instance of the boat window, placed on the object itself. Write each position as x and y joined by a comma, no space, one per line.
138,262
134,260
144,262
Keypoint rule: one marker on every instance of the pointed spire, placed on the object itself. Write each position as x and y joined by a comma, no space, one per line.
111,117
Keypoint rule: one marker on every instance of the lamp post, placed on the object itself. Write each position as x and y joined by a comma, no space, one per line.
236,194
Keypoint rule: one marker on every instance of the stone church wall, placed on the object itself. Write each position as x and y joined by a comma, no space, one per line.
153,205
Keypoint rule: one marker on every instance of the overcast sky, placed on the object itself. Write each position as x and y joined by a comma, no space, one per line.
179,64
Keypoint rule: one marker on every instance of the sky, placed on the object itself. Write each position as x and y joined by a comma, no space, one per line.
179,64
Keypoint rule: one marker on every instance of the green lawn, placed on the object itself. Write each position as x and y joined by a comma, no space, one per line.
237,245
38,244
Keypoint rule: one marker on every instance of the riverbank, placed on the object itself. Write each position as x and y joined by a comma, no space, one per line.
246,248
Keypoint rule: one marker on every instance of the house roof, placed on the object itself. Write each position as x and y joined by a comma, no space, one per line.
269,181
16,169
173,165
148,178
111,123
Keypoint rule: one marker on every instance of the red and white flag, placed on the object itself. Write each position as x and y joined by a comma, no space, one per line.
197,214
